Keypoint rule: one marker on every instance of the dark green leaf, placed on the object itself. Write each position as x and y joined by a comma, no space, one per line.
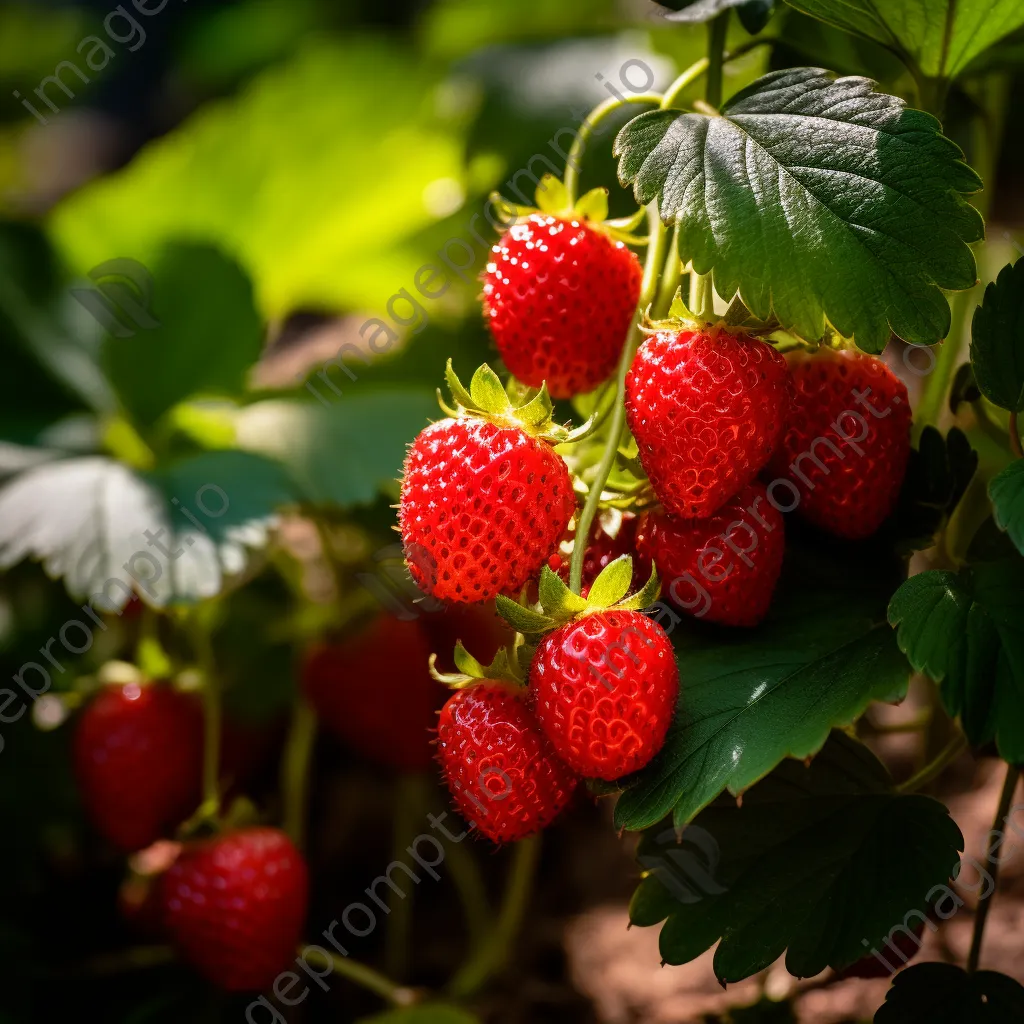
964,631
748,699
964,387
936,37
209,334
1007,493
342,453
825,861
803,173
937,476
106,530
997,339
947,994
755,14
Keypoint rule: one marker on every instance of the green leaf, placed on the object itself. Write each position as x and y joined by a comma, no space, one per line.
242,172
946,994
750,699
208,337
343,454
428,1013
106,530
937,38
964,387
695,11
964,631
825,861
800,174
755,14
612,583
997,339
522,620
1007,494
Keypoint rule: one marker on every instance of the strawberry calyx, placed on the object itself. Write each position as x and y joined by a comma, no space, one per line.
529,409
737,319
552,198
558,605
509,666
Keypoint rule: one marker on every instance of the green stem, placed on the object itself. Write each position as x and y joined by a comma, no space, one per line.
718,29
937,386
986,424
931,771
362,975
492,953
992,852
670,277
586,129
656,250
212,717
295,762
469,883
678,87
409,810
1015,444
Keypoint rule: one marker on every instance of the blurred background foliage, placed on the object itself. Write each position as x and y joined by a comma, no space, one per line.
283,168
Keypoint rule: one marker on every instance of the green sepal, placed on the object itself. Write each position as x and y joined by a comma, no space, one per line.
552,196
612,584
521,619
529,409
643,598
593,205
557,600
504,667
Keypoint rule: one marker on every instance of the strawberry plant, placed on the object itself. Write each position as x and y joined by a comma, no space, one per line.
733,470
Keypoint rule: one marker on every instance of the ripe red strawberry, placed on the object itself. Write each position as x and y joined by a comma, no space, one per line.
559,297
847,442
235,906
500,768
724,568
605,688
138,753
374,691
706,408
483,506
604,548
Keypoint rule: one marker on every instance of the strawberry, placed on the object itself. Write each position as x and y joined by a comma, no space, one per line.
724,568
235,906
559,297
604,547
500,768
604,688
138,752
847,443
482,508
374,691
706,408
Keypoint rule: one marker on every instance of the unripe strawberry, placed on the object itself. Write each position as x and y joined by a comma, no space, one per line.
604,688
721,569
374,691
500,768
235,906
138,753
847,443
559,298
707,408
483,506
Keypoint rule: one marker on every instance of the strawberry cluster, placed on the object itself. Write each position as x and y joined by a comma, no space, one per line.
729,435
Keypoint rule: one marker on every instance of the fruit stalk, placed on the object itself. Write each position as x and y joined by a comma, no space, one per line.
656,252
1015,443
994,840
212,717
362,975
295,761
586,129
492,952
931,771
